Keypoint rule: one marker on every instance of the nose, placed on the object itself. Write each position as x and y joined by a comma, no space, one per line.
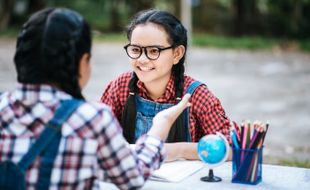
143,58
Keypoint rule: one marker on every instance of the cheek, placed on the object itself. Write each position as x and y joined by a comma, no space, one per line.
89,72
133,62
167,61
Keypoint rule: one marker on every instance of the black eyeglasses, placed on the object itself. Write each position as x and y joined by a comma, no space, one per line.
151,52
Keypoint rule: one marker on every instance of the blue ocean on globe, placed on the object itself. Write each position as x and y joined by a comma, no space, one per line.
211,149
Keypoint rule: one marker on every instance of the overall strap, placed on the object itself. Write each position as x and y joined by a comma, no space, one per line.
190,90
52,128
192,87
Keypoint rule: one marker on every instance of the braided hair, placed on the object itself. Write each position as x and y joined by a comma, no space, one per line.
49,49
177,34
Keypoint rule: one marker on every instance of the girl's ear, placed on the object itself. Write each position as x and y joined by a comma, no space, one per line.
178,54
84,70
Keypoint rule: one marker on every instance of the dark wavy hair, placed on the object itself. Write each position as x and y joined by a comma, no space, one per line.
49,48
177,34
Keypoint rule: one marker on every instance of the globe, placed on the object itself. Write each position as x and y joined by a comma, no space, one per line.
213,150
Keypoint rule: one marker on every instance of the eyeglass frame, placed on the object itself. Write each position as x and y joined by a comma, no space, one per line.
143,49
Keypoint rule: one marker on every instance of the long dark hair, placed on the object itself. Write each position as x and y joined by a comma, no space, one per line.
49,49
177,36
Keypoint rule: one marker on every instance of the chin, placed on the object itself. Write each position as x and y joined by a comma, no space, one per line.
144,78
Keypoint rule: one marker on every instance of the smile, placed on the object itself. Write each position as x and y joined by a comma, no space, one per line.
143,68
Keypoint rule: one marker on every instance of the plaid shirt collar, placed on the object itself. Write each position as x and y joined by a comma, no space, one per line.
30,94
31,103
167,96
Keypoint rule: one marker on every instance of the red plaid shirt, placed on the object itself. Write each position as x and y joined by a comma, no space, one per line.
91,147
207,115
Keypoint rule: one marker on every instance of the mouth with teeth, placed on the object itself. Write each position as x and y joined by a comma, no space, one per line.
143,68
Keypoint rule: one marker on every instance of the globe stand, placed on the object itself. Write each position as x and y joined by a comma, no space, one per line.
213,150
211,177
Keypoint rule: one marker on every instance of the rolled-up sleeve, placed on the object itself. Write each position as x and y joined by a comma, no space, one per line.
209,114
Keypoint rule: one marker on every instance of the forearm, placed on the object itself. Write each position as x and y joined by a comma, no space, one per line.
184,150
181,150
160,132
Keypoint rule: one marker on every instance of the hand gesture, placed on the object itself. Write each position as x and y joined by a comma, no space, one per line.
163,121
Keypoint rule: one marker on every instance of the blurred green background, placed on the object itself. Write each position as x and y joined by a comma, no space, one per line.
249,24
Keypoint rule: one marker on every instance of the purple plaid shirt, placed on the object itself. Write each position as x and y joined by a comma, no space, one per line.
92,147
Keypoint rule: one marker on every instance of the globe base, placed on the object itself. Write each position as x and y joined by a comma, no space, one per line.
211,177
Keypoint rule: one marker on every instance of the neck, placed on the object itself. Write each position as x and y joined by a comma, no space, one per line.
156,89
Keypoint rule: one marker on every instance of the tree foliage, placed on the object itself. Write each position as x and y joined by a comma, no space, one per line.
280,18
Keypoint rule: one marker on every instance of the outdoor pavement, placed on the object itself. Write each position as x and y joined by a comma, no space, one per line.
264,85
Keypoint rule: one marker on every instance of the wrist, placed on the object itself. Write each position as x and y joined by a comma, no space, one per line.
188,151
159,132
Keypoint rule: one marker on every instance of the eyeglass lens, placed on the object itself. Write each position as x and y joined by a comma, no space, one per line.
136,51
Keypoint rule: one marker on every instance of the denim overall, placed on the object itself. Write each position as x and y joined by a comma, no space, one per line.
147,109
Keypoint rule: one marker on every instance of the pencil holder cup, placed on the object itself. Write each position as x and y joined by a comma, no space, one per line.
247,166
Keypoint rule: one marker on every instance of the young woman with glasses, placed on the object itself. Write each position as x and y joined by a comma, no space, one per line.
157,48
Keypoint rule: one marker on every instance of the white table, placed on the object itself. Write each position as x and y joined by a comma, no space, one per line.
274,177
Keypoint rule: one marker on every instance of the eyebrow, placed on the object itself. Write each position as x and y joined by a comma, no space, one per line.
161,46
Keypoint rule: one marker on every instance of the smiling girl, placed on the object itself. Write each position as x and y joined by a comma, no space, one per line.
156,49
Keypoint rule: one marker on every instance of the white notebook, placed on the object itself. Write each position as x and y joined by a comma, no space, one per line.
176,171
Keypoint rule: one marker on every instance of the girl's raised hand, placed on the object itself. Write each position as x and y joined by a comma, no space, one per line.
163,121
